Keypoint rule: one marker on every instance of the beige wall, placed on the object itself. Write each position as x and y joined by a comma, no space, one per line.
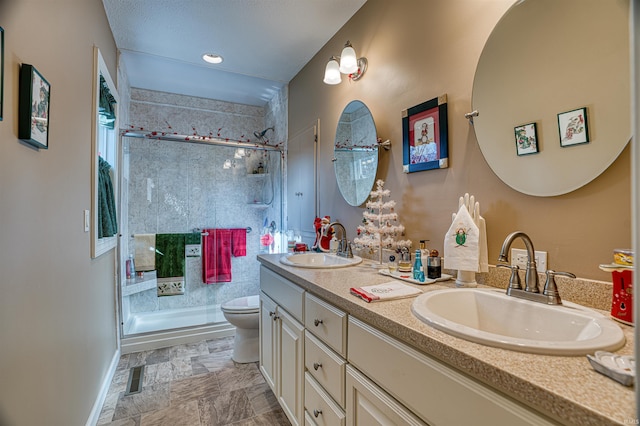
57,305
418,50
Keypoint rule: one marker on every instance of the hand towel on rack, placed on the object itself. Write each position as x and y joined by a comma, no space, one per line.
170,262
239,242
145,252
216,256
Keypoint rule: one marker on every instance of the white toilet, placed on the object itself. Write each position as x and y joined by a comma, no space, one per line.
244,314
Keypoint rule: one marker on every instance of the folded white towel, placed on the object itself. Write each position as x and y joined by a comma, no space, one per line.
386,291
461,243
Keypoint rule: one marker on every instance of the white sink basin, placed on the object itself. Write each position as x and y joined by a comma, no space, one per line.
319,260
492,318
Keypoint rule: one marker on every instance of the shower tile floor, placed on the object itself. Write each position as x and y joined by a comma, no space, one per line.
195,384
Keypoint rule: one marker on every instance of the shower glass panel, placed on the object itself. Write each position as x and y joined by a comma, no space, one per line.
178,187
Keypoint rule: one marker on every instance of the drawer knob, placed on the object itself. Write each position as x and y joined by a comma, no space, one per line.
317,365
316,413
276,317
317,322
271,313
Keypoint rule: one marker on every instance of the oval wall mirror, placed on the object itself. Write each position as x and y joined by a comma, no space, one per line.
546,63
356,153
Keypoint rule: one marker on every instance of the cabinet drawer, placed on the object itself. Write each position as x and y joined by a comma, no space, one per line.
319,405
327,323
325,366
285,293
430,388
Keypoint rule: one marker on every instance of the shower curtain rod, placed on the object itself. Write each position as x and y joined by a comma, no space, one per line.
205,140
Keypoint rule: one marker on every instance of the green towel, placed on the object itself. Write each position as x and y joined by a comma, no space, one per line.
170,255
107,222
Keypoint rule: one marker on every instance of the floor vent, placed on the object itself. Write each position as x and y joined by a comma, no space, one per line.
135,380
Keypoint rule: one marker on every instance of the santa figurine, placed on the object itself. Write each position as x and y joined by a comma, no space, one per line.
324,233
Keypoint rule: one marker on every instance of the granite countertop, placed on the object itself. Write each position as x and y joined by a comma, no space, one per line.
566,388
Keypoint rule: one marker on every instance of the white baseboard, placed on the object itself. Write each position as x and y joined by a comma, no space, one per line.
163,339
94,416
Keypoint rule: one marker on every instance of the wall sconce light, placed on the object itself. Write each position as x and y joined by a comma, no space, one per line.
349,63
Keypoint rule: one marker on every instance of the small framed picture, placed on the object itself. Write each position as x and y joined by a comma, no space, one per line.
573,127
526,139
33,110
425,136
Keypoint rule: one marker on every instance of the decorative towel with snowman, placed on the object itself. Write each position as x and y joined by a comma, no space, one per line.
465,244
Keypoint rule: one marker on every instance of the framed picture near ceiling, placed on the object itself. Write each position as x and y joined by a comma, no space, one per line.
425,136
1,70
573,127
33,109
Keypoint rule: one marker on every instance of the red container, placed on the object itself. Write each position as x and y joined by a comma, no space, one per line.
622,301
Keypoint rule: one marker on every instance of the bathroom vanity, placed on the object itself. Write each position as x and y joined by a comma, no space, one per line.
333,359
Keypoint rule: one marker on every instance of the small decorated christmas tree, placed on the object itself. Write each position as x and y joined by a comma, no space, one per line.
380,227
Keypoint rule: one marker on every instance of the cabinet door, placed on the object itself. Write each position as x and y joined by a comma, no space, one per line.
368,405
291,367
268,344
302,182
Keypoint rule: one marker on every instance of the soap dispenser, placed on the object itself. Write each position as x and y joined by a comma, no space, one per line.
424,251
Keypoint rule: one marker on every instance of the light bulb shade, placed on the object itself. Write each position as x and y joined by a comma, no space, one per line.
332,72
348,60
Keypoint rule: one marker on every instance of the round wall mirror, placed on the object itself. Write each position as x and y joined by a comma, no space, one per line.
356,153
552,93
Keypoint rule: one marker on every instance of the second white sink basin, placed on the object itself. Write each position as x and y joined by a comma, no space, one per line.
319,260
491,317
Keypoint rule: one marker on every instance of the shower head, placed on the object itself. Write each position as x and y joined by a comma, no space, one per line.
261,134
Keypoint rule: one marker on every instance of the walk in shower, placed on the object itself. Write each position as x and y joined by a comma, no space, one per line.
193,186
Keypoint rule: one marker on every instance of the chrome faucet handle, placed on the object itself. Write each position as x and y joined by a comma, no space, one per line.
550,287
514,280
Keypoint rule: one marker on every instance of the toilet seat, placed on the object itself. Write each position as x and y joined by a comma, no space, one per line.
242,305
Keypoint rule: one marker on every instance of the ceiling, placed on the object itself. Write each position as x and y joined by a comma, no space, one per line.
264,43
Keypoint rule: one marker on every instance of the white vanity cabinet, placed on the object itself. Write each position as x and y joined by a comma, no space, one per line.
282,342
327,367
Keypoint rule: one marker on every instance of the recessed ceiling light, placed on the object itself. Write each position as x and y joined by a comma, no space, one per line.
212,58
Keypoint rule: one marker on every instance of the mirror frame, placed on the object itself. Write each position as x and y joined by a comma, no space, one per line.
100,246
373,147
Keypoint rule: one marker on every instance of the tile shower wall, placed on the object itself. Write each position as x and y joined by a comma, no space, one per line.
178,186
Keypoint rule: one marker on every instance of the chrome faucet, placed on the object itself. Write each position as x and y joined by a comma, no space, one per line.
531,276
344,247
550,294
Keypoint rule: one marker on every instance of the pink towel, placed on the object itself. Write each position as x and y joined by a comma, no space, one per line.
217,248
239,242
216,256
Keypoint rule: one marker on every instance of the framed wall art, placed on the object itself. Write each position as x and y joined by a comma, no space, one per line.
33,110
526,139
573,127
425,136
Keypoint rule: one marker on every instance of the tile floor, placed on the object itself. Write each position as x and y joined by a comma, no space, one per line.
191,385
